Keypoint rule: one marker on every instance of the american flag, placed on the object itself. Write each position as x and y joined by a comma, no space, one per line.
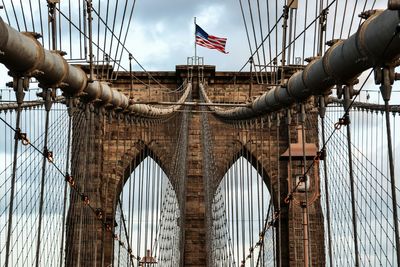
209,41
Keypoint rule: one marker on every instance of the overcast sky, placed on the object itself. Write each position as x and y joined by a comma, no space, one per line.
162,33
164,36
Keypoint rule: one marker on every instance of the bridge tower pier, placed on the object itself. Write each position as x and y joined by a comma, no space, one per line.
115,148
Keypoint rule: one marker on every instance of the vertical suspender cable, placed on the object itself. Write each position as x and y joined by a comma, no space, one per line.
69,28
284,37
275,61
245,26
53,24
242,206
250,191
322,110
344,18
70,113
260,184
119,36
105,56
351,174
31,12
99,123
88,218
60,33
290,35
153,195
255,41
19,92
386,89
269,124
140,185
230,210
322,28
147,206
98,39
80,29
5,11
109,131
237,207
259,210
262,38
129,229
315,29
114,206
83,166
90,19
15,16
120,228
307,254
290,174
47,97
305,32
278,124
126,232
113,28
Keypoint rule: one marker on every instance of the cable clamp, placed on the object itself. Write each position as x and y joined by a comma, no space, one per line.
85,199
48,155
22,137
69,179
99,213
342,121
321,155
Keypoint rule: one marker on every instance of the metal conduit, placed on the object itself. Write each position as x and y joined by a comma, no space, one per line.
24,56
149,111
374,44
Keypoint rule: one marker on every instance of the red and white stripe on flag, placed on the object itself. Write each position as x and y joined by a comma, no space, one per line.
212,42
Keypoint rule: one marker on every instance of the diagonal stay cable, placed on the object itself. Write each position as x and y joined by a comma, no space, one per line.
295,39
121,43
347,110
70,180
102,50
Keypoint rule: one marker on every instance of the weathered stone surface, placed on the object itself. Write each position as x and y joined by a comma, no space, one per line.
119,147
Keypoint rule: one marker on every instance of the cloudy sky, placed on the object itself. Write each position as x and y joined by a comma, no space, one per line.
164,36
162,32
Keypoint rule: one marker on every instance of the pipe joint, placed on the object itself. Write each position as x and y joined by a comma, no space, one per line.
394,4
19,88
385,77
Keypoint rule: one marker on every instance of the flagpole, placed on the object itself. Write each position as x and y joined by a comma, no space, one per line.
195,45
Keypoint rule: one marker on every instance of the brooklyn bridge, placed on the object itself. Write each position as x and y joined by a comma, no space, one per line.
285,156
